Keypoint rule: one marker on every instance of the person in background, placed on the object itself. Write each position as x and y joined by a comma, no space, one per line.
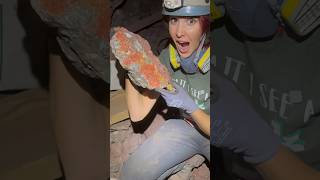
266,83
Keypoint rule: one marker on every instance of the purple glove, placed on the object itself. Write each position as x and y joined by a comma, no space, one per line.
236,126
179,99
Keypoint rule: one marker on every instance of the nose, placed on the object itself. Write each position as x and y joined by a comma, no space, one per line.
180,29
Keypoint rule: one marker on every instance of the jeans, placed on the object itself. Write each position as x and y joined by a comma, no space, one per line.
164,153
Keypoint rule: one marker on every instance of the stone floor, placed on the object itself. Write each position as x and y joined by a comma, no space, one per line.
124,141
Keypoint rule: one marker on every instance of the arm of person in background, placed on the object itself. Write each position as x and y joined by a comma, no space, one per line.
286,165
236,126
139,103
181,99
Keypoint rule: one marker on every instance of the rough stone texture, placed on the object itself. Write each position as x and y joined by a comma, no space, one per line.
194,169
135,55
124,141
81,32
133,14
130,14
201,173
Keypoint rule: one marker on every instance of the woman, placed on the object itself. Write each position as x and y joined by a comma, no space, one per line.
188,60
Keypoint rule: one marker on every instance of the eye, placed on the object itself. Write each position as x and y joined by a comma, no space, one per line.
173,20
192,21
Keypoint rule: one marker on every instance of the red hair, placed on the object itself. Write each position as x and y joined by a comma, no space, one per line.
205,23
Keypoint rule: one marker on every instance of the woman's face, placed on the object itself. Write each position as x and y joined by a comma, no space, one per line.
186,33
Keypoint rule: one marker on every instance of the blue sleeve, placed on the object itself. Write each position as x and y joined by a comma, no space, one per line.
237,126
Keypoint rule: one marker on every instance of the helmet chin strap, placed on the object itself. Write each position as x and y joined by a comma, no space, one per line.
190,64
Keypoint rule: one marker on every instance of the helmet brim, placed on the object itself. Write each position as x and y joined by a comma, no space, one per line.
187,11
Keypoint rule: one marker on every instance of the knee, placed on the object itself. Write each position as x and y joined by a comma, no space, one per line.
132,170
129,171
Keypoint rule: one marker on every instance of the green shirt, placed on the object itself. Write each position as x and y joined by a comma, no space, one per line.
197,85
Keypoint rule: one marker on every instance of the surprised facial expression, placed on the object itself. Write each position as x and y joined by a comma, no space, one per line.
186,33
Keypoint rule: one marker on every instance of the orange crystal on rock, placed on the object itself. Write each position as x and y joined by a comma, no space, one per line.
135,55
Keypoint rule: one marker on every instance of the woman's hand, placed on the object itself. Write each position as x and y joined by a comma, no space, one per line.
179,99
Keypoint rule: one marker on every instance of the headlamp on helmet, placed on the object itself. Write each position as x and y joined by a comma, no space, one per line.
172,4
186,7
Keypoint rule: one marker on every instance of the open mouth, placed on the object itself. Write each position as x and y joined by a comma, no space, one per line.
182,46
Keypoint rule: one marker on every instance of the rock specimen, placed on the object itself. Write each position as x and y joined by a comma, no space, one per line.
135,55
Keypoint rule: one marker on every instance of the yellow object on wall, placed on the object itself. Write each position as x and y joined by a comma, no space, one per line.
215,12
